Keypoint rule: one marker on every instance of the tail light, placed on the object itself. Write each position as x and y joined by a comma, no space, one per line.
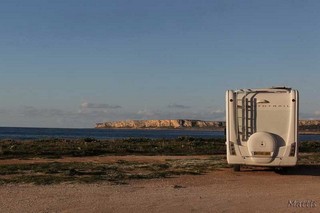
232,149
292,150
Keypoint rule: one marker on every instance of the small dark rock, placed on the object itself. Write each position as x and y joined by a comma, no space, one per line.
178,187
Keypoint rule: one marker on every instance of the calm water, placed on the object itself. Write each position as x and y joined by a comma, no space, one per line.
41,133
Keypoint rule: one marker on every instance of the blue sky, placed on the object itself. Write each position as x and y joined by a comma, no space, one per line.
72,63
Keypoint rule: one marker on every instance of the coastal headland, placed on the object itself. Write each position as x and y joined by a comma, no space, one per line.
305,126
163,124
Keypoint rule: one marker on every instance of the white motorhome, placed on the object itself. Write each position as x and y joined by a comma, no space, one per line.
262,127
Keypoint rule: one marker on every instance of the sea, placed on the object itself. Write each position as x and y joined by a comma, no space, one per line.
22,133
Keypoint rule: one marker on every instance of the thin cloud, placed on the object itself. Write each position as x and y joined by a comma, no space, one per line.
178,106
310,116
88,115
43,112
146,113
218,111
197,115
87,105
4,111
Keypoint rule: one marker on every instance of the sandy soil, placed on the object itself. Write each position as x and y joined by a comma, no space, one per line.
251,190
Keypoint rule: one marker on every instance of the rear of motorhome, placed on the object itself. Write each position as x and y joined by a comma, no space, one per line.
262,127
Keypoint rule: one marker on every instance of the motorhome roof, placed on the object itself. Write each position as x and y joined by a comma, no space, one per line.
272,89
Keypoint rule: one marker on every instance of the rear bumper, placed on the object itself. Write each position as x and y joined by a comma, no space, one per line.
259,161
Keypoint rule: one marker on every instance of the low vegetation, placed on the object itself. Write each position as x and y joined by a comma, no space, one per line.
121,171
55,148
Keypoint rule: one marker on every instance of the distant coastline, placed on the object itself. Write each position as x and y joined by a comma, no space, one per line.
305,126
162,124
165,129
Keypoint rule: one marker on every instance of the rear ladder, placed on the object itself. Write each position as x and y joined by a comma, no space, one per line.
246,113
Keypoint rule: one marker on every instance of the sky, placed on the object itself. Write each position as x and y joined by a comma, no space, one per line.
74,63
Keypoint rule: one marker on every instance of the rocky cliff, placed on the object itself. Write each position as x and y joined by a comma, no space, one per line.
307,125
153,124
309,122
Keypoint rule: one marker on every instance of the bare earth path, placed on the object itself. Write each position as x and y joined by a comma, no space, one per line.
218,191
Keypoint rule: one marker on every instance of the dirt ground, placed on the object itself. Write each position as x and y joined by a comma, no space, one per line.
101,159
251,190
